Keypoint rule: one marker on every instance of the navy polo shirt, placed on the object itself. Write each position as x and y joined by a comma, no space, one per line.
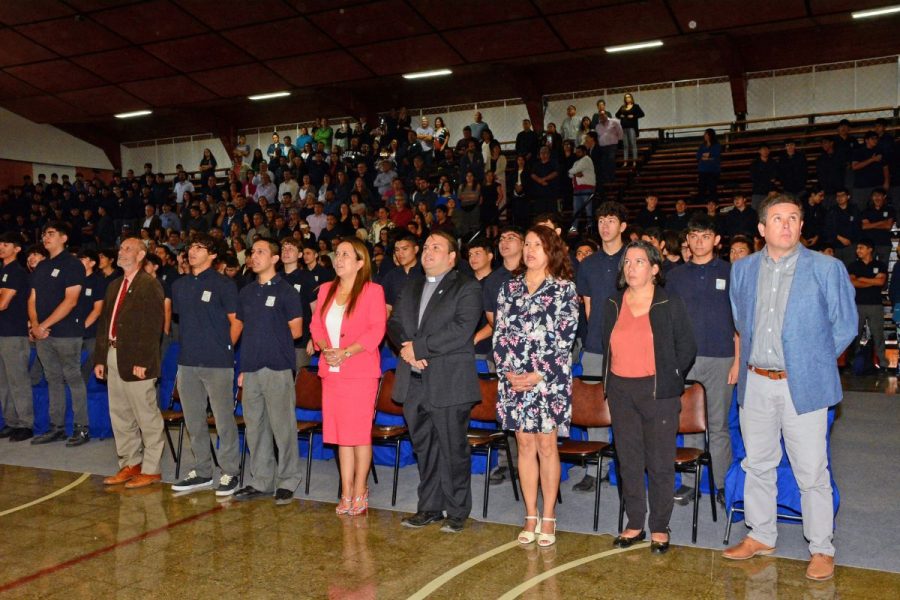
94,289
14,320
879,237
203,303
868,296
596,280
396,279
872,175
265,309
49,281
490,287
484,346
303,281
321,275
705,289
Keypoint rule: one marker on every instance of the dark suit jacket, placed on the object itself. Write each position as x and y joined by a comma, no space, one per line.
139,325
444,339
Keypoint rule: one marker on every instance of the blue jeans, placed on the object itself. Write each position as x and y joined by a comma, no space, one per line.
582,198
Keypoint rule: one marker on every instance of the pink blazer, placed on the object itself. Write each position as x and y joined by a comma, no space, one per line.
365,325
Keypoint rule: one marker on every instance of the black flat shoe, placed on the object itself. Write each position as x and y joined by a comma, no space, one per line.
660,547
627,542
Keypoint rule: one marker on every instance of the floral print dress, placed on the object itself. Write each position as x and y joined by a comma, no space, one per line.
535,333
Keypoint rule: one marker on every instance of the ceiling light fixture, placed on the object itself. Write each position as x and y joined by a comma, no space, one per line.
137,113
876,12
269,96
422,74
637,46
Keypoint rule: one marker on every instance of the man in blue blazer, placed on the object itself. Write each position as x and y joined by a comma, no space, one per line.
795,312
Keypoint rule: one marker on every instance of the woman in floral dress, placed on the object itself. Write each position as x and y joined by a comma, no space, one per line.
534,329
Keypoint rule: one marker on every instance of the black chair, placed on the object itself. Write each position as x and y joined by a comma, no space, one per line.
308,396
392,435
487,440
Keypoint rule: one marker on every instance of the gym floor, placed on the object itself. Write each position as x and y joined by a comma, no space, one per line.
68,536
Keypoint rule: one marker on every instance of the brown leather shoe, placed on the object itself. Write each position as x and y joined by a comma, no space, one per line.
748,548
143,480
124,475
821,567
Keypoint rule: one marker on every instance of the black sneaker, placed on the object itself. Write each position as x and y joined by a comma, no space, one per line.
683,495
227,485
283,496
192,482
54,435
7,431
585,485
21,434
248,493
498,475
453,525
421,519
80,435
720,497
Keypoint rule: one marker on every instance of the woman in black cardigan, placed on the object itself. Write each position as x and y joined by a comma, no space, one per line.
648,347
629,114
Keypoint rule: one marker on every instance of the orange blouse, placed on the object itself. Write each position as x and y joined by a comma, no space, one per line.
631,345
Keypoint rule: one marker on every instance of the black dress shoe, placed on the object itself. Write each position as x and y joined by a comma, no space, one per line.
498,476
248,493
586,484
720,497
7,431
627,542
453,525
684,495
422,518
21,434
54,435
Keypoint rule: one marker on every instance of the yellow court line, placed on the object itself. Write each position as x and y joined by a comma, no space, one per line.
84,477
530,583
460,568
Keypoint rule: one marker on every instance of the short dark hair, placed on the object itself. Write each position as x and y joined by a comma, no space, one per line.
481,242
37,249
654,232
554,218
653,256
587,242
701,222
60,226
406,236
870,134
865,242
611,208
204,240
153,260
778,199
88,254
513,229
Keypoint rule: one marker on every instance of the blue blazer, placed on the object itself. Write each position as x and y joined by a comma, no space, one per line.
820,321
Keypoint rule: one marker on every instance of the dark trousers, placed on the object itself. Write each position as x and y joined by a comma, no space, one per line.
438,435
644,430
708,184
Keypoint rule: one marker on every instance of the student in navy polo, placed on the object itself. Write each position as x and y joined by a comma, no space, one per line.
877,222
512,240
90,305
869,276
206,303
57,329
703,284
596,282
15,386
272,315
303,281
406,253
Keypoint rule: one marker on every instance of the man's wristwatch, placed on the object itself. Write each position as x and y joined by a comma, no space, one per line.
347,354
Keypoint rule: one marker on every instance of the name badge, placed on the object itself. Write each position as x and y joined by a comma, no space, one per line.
54,273
205,296
885,214
270,301
5,275
317,278
720,284
851,219
297,286
875,270
88,292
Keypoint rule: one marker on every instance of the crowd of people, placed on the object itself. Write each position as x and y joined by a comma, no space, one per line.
300,255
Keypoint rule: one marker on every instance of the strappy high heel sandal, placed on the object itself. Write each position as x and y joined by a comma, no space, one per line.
344,505
547,539
526,537
360,504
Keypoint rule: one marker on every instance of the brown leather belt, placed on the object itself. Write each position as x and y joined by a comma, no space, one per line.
112,343
771,374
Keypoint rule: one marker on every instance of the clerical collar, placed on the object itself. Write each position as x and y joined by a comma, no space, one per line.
436,278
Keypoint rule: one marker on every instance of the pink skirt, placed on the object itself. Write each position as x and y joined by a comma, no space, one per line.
348,408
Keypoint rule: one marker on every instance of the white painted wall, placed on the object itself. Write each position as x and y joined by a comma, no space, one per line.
27,141
165,154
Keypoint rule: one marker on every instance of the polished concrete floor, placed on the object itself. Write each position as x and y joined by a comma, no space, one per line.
68,536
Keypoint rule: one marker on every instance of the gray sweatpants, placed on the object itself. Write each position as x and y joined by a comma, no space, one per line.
15,385
875,314
61,359
767,415
195,384
712,372
268,403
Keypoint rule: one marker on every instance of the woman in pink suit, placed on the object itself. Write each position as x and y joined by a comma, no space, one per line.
347,327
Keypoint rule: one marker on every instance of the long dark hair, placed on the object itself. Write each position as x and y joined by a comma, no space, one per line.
559,265
653,256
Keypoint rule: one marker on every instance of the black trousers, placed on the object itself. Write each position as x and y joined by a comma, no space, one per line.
644,430
708,184
438,435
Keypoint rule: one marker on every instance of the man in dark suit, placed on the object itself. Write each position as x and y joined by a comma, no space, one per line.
432,323
127,355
